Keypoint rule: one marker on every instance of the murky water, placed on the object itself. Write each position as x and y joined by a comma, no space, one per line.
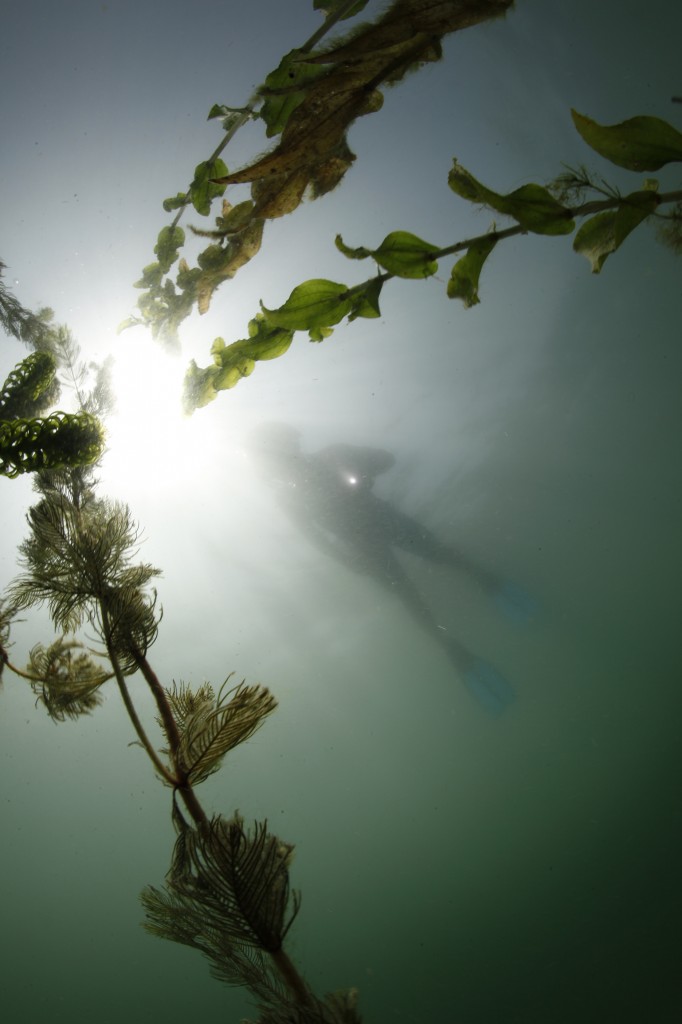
509,497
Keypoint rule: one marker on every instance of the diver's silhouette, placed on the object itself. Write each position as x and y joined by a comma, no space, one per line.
329,495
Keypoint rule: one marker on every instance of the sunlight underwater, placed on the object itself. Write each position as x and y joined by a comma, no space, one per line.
147,385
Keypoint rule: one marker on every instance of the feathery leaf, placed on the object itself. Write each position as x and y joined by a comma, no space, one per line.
227,895
70,679
212,725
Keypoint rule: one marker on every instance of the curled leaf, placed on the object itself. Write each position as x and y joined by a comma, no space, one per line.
532,206
312,305
284,90
204,187
366,300
167,245
58,440
357,253
175,202
30,388
602,234
463,283
232,362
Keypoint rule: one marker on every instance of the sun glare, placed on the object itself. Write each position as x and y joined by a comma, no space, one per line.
151,445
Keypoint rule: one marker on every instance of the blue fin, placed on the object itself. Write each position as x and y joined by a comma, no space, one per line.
515,603
488,687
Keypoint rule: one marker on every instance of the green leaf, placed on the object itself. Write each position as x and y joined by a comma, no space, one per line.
596,239
632,210
265,341
151,276
366,300
167,245
236,218
230,375
131,321
603,234
175,202
187,278
198,388
360,253
233,362
58,440
220,110
213,257
405,255
532,206
463,283
284,90
320,333
203,190
30,388
230,115
467,187
311,305
639,144
536,210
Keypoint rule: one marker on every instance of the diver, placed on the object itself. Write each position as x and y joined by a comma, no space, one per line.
329,496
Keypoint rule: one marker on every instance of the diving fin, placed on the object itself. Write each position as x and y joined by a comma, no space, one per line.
515,603
488,687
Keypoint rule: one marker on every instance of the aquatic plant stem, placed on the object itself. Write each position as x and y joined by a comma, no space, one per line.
584,210
139,728
179,780
290,975
247,112
292,978
329,23
129,706
182,783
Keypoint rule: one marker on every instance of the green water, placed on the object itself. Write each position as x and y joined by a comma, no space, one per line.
454,867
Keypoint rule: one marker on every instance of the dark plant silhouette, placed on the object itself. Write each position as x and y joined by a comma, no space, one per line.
227,893
28,440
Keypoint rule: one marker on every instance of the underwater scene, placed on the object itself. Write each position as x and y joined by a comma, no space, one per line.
340,512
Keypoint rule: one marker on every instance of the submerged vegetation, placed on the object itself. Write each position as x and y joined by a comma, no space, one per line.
318,305
28,440
228,891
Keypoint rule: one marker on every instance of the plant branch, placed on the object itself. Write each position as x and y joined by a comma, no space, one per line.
291,977
40,679
283,963
584,210
256,96
327,25
130,707
181,782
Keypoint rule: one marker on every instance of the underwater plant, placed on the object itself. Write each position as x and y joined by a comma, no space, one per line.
227,892
29,441
318,306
